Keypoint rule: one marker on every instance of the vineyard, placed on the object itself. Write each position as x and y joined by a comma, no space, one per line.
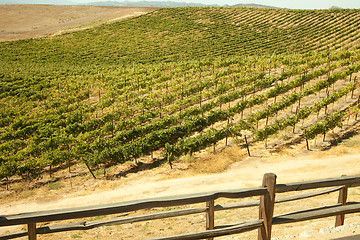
174,82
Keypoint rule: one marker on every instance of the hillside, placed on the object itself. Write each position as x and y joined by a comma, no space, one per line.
192,87
174,82
188,33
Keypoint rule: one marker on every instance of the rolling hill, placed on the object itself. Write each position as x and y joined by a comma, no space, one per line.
147,4
173,82
254,6
24,21
126,3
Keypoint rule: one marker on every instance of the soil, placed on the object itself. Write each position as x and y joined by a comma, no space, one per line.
32,21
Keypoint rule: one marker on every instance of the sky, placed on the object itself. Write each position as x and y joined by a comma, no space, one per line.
303,4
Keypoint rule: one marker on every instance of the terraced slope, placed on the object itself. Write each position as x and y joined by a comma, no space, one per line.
174,82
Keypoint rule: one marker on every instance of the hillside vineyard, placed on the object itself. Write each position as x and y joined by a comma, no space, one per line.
174,82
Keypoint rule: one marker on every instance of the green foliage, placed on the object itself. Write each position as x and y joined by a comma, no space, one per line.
54,186
324,126
167,81
75,236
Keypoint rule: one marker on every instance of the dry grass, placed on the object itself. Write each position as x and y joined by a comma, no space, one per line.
219,162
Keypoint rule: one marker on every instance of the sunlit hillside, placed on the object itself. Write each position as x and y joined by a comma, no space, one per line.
174,82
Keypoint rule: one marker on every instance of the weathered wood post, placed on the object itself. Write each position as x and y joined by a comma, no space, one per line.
266,209
339,221
307,141
32,231
210,216
247,146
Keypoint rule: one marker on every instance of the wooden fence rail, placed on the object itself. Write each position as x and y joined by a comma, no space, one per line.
264,224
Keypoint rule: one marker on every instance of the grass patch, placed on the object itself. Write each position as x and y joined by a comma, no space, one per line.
218,162
96,218
54,186
26,193
217,217
351,143
145,228
167,209
88,24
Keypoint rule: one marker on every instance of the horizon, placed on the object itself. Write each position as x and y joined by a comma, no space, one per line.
305,4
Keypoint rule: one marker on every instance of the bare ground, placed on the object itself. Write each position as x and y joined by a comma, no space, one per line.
33,21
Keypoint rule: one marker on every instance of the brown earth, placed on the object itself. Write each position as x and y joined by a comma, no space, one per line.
33,21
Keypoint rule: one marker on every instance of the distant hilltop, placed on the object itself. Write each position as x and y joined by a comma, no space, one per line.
51,2
147,4
129,3
254,6
169,4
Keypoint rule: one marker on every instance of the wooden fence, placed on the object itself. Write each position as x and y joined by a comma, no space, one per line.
264,223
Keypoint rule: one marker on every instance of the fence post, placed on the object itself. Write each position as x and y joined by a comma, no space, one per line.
32,231
339,221
266,209
210,216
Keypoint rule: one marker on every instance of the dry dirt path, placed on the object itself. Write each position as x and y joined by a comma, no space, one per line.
163,181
